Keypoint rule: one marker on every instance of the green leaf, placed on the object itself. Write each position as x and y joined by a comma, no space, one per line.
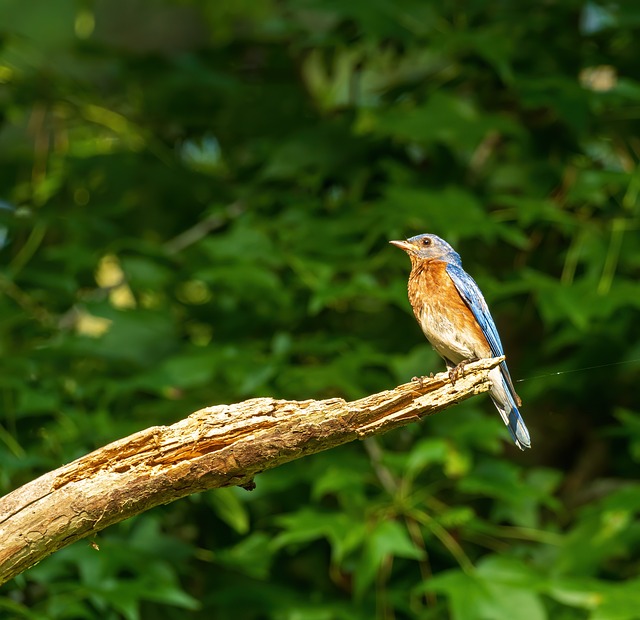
620,602
603,531
427,452
252,556
454,121
342,532
229,508
388,540
501,588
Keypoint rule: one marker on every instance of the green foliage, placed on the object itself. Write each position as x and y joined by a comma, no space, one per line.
196,199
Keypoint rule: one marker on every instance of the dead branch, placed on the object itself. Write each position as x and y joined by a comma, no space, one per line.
218,446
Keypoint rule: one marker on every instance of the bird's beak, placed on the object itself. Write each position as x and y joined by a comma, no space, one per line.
403,245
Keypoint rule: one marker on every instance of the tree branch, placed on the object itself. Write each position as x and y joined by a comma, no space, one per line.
217,446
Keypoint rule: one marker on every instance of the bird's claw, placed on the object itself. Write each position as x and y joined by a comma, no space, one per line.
421,380
457,371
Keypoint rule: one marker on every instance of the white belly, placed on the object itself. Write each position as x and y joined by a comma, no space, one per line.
446,336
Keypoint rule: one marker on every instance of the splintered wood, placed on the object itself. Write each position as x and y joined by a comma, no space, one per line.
218,446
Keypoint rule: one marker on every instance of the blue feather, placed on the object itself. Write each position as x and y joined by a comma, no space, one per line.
472,296
470,292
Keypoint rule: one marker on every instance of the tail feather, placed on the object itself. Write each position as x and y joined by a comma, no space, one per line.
502,398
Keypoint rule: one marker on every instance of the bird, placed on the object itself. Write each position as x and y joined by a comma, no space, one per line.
455,318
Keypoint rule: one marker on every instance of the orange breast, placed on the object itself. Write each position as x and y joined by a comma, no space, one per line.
445,318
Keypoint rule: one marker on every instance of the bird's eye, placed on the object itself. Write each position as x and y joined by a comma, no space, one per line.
426,241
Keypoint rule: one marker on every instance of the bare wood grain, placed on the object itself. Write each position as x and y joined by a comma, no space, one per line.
218,446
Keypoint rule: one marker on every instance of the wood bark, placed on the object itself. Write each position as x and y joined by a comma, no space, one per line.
218,446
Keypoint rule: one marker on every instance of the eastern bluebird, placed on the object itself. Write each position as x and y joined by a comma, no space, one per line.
456,320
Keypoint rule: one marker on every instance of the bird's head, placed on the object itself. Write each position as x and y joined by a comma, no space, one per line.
428,247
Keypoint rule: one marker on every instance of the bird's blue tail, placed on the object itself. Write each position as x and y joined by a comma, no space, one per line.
502,395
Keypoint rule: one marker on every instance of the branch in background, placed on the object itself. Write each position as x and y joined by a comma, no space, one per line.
204,227
218,446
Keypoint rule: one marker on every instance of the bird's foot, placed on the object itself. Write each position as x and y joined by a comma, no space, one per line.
457,371
421,380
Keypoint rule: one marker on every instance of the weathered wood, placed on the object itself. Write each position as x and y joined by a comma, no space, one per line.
217,446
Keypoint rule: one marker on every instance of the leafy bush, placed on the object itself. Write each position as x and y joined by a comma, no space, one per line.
196,203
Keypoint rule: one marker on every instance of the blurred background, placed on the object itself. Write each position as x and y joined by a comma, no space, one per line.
196,199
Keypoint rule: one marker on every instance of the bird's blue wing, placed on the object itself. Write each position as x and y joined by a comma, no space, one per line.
470,292
504,394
